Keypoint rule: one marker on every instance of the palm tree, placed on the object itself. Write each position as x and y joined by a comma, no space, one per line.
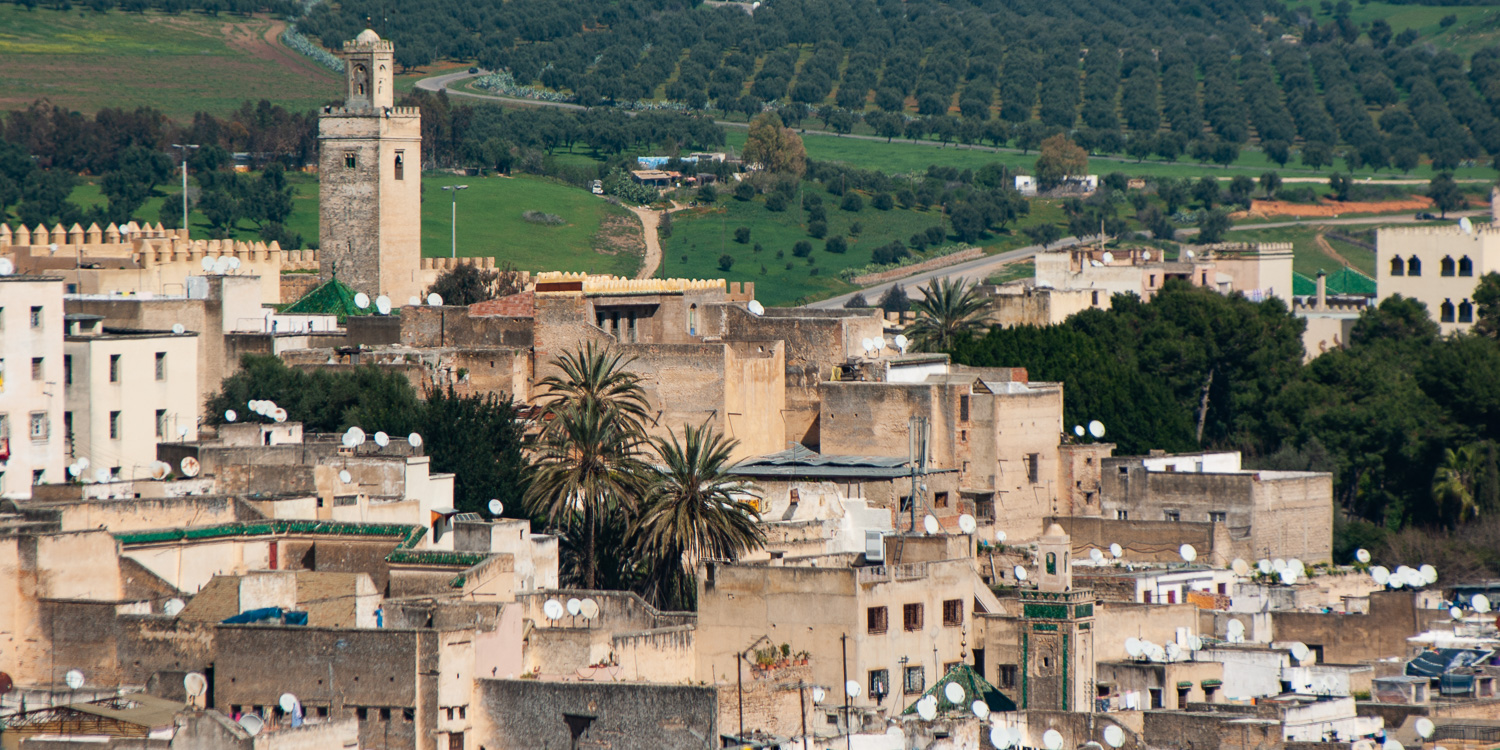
595,375
1453,484
948,309
587,477
694,510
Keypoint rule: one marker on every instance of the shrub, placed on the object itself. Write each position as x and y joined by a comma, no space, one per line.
817,213
936,235
776,202
852,203
836,245
708,194
856,229
744,191
742,235
883,202
802,249
907,198
537,217
811,199
890,253
726,262
817,228
757,248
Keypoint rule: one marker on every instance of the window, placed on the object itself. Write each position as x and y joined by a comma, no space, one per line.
1172,515
455,739
1051,563
38,476
1445,266
67,369
1413,267
1007,675
4,427
385,714
880,682
114,368
114,425
361,713
1397,267
1445,314
349,161
1096,295
1465,312
876,620
449,711
963,408
161,365
67,425
36,316
1465,266
161,423
1122,515
940,499
1033,467
38,426
953,612
36,368
1217,516
463,712
1153,280
914,680
400,165
911,616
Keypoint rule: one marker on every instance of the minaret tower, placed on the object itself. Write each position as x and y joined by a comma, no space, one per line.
1057,632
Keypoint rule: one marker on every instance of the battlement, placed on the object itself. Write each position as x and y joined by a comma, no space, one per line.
1248,248
604,284
448,264
1443,230
1331,304
380,45
388,112
77,235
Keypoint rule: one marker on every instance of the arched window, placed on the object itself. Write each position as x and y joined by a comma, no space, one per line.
400,165
1398,268
692,320
1465,266
1446,266
1445,314
1051,563
1414,267
1465,312
361,80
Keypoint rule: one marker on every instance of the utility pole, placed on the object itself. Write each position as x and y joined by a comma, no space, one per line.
739,689
453,228
184,148
802,704
844,657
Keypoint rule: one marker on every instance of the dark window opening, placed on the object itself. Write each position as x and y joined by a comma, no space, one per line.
1397,267
911,616
915,680
1413,267
876,620
953,612
349,161
1445,314
401,175
1465,312
1446,266
1465,266
880,682
1007,675
940,499
963,408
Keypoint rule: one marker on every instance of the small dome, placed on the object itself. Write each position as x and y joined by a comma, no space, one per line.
1056,530
368,36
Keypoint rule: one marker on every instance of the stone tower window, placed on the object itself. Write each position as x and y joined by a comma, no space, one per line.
1465,266
400,165
1446,312
349,160
1465,312
1397,267
1445,267
1413,267
361,80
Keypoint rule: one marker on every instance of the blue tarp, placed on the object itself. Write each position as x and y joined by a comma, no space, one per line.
268,615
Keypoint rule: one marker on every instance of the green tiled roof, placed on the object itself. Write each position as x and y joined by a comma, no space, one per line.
1345,281
331,297
975,688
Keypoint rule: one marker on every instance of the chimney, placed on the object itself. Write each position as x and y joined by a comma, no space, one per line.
1322,289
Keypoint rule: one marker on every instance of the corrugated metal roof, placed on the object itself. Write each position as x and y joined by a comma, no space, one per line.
1434,663
799,461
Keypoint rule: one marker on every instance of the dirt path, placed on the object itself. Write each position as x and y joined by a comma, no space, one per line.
1327,249
274,51
650,220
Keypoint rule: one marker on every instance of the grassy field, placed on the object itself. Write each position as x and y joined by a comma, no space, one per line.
180,64
1475,27
1308,256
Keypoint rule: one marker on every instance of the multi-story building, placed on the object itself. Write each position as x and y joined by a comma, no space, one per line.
32,445
1438,266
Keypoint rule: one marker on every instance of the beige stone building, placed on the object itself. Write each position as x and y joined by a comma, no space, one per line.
1026,304
1258,270
370,178
1438,266
33,445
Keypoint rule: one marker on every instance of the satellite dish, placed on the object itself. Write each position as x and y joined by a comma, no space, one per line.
7,267
190,467
496,507
357,435
901,343
1116,551
575,606
383,305
1362,555
194,683
182,431
221,265
1392,745
1173,652
288,702
435,299
1096,555
1264,566
230,416
1396,581
1000,535
173,607
553,609
1235,627
1133,648
1020,573
1052,739
1288,576
1187,552
74,679
954,692
1114,736
1096,428
1380,574
279,415
1157,653
345,476
589,609
252,724
1195,643
414,300
382,439
1429,573
928,711
179,328
1188,253
756,308
361,300
981,710
879,343
967,524
1425,727
1145,255
1108,258
1240,567
1455,613
931,524
1466,225
74,469
234,263
818,695
414,440
206,263
1000,737
1481,603
867,344
1078,430
1296,564
852,688
1278,565
101,474
1300,651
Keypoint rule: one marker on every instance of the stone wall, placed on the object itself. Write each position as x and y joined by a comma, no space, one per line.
870,279
773,700
531,714
447,325
1149,541
1353,638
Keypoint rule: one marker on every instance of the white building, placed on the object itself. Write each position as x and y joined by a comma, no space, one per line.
32,444
1437,265
126,390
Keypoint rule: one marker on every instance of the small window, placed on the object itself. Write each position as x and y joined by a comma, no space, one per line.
963,408
1446,266
1465,312
1033,467
349,160
408,715
1172,515
385,714
911,616
1445,312
1051,563
161,365
67,369
1095,302
1465,266
1153,281
1122,515
876,620
114,368
67,425
38,426
361,713
1217,516
37,368
1397,267
463,712
4,427
161,423
915,680
953,613
1414,267
455,741
38,476
1007,675
940,499
114,425
36,316
880,682
400,165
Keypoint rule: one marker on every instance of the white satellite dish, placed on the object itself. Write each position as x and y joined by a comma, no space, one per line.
930,524
179,328
1000,737
195,684
1145,255
230,416
288,702
1188,254
190,467
967,524
1187,552
1020,573
279,414
1264,566
74,469
1158,653
1380,574
496,508
1116,551
755,308
345,476
206,263
383,305
221,265
1429,573
1133,647
1195,643
954,692
358,435
102,475
1392,745
414,300
172,607
1466,225
1173,652
1000,535
852,688
1425,727
1240,567
1096,428
414,440
981,710
1481,603
361,300
818,695
1052,739
159,470
234,263
589,609
1300,651
901,343
1278,565
1296,564
1078,430
553,609
879,343
1235,627
867,344
928,711
1114,736
7,267
1362,555
435,299
1288,576
382,439
182,431
1096,555
1455,613
1108,258
252,724
74,679
1396,581
575,606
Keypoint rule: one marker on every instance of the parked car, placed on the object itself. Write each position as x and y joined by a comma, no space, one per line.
597,187
473,70
1424,216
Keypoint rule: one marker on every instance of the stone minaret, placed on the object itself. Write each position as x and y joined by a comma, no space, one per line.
369,184
1057,632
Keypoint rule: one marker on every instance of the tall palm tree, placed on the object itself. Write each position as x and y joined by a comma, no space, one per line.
587,476
694,510
595,375
947,310
1453,484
